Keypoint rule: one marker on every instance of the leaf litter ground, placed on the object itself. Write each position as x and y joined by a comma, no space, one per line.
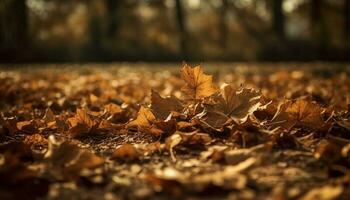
154,132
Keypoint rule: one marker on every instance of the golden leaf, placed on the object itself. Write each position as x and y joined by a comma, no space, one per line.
144,118
198,85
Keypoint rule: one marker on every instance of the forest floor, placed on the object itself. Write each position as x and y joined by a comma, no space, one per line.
166,131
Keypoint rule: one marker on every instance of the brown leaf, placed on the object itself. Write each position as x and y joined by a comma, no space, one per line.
241,103
168,126
83,117
144,118
163,107
299,113
27,126
69,159
152,130
198,85
49,116
82,123
113,108
126,152
195,138
214,119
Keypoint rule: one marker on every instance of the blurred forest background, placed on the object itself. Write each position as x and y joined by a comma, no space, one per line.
174,30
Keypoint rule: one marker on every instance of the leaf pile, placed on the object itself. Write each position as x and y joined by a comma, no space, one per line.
283,134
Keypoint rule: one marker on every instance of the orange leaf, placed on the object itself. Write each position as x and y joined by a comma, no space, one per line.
198,85
126,151
144,118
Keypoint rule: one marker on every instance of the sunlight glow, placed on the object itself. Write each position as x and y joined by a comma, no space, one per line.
194,3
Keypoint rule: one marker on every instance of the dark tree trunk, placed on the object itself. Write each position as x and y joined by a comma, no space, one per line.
319,29
14,41
347,19
278,18
112,17
223,24
181,21
317,21
14,24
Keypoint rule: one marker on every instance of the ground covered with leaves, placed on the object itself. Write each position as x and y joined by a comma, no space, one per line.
159,132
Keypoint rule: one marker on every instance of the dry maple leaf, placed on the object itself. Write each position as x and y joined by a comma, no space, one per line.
144,118
82,123
145,122
299,113
163,107
213,119
198,85
240,103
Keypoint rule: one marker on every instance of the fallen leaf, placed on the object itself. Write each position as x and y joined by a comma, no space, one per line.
195,138
241,103
145,117
125,152
49,116
299,113
163,107
198,85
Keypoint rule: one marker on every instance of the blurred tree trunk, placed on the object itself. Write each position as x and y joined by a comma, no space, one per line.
318,26
319,29
347,19
113,20
278,18
14,24
181,21
95,31
223,24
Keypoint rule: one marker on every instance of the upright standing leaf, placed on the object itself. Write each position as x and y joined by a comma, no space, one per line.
198,85
144,118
